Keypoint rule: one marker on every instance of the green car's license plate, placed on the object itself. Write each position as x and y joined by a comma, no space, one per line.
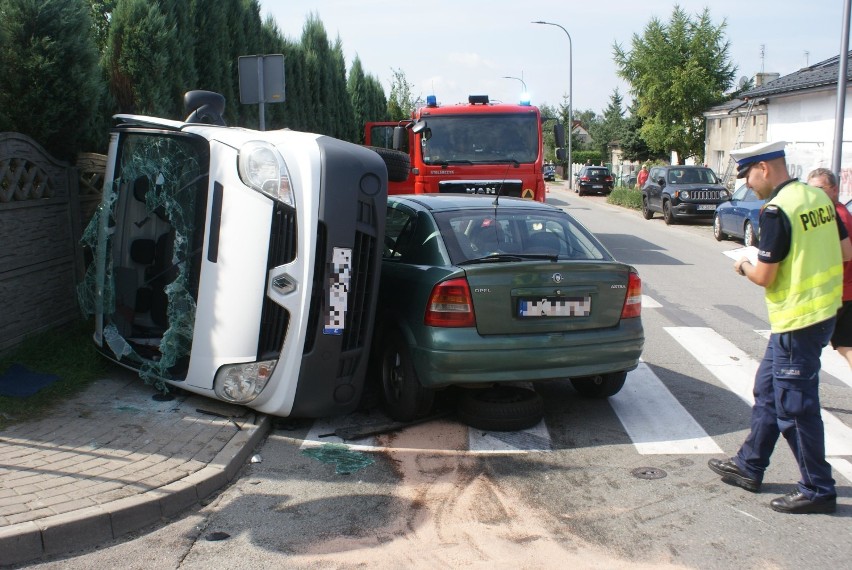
555,307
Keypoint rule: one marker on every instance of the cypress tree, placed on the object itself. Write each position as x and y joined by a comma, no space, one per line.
48,65
211,48
368,98
181,73
317,75
344,120
137,57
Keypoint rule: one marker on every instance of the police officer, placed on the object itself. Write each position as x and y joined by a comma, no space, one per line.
800,264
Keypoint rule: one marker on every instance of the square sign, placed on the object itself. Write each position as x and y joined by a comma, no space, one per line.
261,78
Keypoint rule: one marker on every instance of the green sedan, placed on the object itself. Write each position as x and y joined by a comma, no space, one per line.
478,291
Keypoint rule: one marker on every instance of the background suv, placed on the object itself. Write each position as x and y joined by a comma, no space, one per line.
594,179
680,192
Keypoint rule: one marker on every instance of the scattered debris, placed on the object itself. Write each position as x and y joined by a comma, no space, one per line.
344,459
362,431
218,415
256,458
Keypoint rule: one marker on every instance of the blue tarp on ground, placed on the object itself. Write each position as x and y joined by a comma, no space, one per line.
20,382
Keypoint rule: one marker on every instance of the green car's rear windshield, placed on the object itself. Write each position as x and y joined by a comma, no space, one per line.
474,234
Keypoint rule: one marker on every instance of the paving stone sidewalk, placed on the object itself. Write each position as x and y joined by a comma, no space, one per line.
114,460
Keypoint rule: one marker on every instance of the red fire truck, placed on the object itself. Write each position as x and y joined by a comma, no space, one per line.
474,148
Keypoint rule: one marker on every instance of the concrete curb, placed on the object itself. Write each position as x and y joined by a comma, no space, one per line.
92,526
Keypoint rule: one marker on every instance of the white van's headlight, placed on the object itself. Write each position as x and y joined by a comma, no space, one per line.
262,167
241,383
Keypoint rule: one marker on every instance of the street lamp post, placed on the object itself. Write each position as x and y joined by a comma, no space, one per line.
570,100
521,79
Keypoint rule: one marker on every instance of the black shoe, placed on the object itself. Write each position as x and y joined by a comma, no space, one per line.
734,475
797,503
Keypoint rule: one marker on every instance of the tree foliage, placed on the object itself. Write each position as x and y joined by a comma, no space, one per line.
367,96
676,70
401,103
49,71
69,65
101,12
611,128
633,146
137,55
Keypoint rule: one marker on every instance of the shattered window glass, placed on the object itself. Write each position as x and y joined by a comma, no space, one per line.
146,239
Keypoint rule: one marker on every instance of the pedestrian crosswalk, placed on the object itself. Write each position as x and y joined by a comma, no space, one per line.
652,417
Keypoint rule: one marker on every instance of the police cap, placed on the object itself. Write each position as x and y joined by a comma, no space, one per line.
750,155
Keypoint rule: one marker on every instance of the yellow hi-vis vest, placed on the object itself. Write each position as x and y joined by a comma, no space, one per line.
808,287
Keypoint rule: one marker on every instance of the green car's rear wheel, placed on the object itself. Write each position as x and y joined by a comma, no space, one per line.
405,399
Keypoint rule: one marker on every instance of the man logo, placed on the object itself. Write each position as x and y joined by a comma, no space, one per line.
557,278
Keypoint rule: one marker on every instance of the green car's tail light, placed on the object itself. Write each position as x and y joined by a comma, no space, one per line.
450,305
633,301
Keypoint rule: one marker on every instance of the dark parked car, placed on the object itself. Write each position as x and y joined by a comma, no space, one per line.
739,217
594,180
476,293
549,172
682,192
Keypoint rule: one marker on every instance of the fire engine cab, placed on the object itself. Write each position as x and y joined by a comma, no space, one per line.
475,148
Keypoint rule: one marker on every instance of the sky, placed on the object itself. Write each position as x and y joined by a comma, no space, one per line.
455,48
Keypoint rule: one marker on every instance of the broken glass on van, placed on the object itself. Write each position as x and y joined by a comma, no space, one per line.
146,240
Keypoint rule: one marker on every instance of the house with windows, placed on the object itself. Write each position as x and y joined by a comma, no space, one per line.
736,123
799,108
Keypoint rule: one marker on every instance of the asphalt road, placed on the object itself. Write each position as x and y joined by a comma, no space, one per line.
605,484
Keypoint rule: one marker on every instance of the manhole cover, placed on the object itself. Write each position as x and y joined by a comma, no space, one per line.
648,473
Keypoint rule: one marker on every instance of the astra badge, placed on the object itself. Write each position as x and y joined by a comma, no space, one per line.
557,278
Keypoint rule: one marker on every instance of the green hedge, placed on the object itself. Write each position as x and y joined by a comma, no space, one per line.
626,197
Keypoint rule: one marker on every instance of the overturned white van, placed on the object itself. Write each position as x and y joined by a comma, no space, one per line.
238,264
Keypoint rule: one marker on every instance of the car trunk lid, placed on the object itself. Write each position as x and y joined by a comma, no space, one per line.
545,296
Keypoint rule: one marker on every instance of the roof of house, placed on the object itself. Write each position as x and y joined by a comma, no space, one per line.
822,74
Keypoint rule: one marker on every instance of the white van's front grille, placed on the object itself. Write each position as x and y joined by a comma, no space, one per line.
274,318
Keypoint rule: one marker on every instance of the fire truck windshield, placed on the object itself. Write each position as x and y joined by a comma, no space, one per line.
485,138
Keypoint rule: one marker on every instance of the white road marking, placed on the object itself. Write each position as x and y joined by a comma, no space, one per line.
736,370
731,365
649,303
842,466
655,421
